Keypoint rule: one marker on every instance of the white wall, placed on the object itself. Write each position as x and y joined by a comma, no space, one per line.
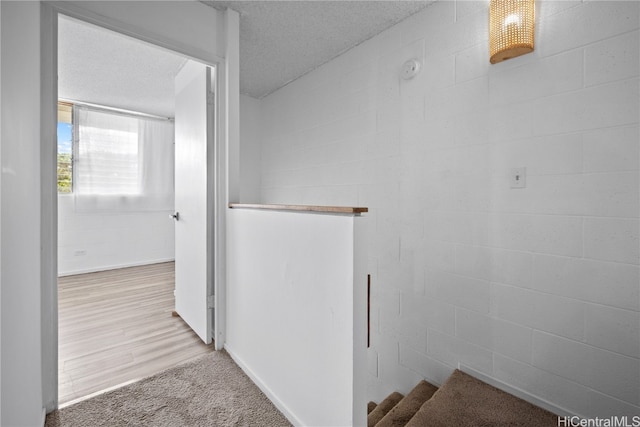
536,287
26,240
20,371
250,124
101,241
0,215
296,299
201,34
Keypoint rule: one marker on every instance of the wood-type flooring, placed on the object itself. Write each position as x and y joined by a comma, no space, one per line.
116,327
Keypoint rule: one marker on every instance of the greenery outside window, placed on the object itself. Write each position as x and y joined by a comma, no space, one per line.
65,151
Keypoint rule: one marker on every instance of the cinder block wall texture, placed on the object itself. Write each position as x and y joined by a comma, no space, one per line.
537,287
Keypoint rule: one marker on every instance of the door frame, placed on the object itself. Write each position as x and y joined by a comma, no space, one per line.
226,149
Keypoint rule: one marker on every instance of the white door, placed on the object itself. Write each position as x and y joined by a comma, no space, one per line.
194,151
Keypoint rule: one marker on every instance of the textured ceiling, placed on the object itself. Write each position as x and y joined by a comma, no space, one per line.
279,42
283,40
103,67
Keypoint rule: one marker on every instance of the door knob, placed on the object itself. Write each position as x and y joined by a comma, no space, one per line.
176,216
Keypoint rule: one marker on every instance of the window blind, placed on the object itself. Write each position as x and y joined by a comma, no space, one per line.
122,162
107,153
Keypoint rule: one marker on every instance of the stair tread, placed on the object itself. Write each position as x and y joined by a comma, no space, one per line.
370,407
404,410
464,401
383,408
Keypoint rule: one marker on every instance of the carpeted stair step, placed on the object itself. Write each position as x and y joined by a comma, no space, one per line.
370,407
383,408
464,401
400,414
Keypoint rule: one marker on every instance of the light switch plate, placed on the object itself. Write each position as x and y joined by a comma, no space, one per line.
518,177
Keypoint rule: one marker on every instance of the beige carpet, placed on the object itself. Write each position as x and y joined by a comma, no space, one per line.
400,414
464,401
383,408
210,391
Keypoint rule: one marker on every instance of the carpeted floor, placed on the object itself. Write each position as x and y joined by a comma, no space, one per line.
462,401
210,391
465,401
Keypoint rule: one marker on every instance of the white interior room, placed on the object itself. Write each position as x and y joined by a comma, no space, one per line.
122,74
532,285
116,161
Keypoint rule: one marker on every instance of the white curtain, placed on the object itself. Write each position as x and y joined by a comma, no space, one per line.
122,162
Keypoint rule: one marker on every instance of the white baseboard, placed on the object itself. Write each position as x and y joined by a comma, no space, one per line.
524,395
293,419
114,267
43,416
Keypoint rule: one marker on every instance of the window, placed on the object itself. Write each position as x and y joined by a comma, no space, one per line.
107,153
65,152
114,161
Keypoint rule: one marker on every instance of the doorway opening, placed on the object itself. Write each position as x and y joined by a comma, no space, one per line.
116,245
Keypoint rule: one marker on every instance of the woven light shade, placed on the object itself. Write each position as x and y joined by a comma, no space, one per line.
511,24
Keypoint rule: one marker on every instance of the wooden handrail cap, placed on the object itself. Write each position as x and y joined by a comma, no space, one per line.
301,208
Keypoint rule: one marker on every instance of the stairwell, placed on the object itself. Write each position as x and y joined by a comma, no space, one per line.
462,401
